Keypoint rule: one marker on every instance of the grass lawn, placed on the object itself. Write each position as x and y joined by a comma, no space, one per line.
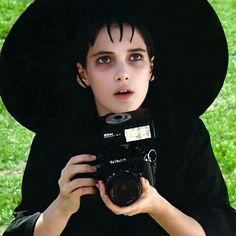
220,117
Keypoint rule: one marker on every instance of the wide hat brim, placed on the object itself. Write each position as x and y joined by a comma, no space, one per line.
38,59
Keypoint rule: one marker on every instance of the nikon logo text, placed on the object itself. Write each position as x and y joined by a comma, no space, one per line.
108,135
117,161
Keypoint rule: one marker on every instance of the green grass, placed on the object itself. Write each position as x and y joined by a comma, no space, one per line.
14,139
14,144
9,12
220,117
10,183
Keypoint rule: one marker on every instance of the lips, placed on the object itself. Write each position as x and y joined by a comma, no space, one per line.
123,91
123,94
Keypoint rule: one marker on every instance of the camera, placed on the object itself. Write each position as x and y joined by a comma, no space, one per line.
128,152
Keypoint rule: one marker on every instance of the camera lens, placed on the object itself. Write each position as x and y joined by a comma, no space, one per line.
124,188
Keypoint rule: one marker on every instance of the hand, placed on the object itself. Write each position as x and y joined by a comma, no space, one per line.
148,202
71,189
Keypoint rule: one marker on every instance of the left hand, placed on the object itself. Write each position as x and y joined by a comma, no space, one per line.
147,203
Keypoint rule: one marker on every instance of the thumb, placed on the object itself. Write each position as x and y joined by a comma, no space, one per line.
145,183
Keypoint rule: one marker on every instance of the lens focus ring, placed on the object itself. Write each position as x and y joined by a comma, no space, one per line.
124,188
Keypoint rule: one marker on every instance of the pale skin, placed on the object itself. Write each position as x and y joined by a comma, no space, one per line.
121,62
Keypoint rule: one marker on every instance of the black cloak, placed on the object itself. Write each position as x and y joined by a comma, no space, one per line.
39,89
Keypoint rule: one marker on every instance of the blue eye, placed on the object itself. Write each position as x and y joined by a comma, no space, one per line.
136,57
104,60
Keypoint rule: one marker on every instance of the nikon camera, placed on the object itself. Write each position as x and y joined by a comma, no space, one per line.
128,153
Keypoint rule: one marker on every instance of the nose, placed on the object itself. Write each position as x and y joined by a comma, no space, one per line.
122,76
122,70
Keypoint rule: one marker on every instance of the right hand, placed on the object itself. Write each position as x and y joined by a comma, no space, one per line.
71,189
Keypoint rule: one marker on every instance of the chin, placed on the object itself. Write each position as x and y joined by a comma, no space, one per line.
118,109
126,109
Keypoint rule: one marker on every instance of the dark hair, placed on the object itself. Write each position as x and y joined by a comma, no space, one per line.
89,38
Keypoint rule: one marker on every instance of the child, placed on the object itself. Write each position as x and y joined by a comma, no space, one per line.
116,65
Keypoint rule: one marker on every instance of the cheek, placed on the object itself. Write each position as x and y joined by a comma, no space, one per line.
98,84
94,73
144,70
144,76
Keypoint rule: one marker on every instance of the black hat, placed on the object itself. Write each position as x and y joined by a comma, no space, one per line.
37,64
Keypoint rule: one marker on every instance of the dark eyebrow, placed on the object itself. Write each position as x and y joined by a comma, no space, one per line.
99,53
102,53
137,50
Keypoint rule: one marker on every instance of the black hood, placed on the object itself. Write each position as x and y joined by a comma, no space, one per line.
37,64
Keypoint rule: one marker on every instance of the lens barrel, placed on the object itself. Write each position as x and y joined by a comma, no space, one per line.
124,188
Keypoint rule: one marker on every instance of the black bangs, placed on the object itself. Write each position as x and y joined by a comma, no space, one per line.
121,26
96,28
93,28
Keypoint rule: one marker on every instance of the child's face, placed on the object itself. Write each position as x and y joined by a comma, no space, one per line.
118,72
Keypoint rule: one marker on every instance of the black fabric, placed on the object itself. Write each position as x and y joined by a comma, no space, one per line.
38,87
38,57
24,223
187,175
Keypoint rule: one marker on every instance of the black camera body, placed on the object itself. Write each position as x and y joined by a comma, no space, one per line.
129,152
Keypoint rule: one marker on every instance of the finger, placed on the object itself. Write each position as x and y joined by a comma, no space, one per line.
144,182
102,190
70,171
130,210
80,168
81,159
75,161
116,209
127,210
101,187
84,191
77,183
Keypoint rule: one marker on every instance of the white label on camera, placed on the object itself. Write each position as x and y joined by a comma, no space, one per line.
138,133
117,161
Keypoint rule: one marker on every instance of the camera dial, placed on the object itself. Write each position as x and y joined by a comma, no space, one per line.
118,118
